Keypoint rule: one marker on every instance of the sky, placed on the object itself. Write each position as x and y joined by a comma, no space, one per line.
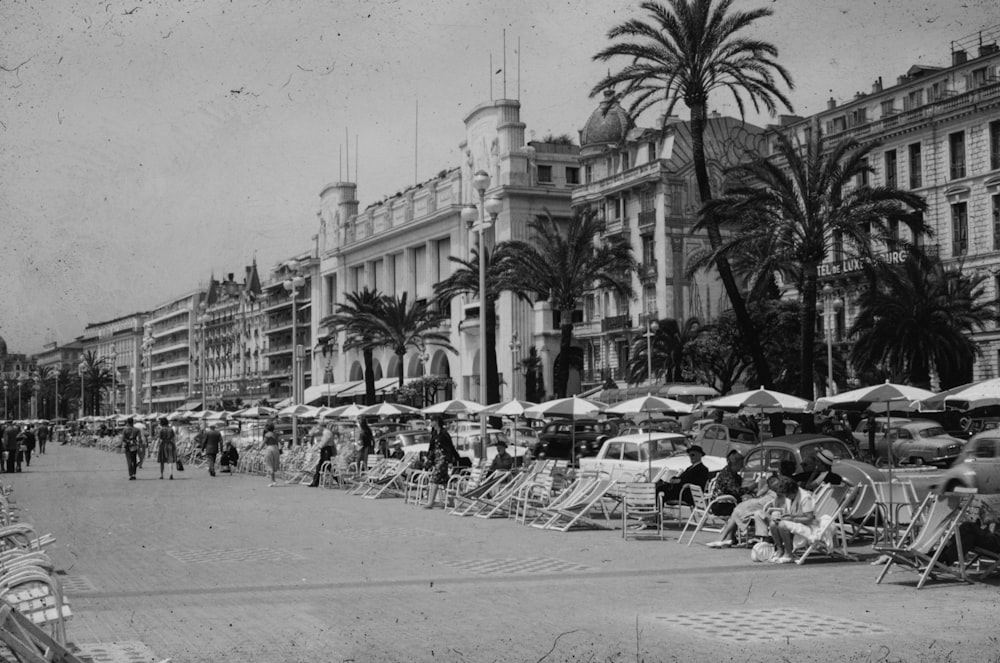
147,145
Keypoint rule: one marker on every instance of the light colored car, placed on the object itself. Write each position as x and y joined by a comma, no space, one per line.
626,457
881,424
920,442
978,466
467,445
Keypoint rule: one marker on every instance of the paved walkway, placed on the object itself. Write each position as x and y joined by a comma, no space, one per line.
205,569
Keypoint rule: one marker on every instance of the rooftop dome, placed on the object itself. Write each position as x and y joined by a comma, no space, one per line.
609,123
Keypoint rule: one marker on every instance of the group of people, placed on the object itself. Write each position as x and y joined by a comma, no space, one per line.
135,444
19,442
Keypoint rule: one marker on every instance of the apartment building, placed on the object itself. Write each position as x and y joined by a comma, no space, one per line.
118,344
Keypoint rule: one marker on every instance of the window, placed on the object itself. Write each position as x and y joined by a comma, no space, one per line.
588,308
648,249
652,152
937,91
916,167
588,174
676,198
862,179
545,174
572,176
837,124
995,145
979,77
959,229
913,100
996,222
626,161
956,149
890,168
859,117
838,246
888,108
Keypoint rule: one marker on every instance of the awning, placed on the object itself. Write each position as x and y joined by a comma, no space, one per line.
190,406
281,404
381,386
321,391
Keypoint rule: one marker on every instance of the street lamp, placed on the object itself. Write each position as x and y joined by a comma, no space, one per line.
147,347
292,285
515,349
471,215
20,381
831,305
651,329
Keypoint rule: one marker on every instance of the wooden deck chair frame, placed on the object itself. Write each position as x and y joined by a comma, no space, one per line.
29,643
702,517
573,493
496,503
467,503
641,502
416,486
373,473
393,483
565,518
940,515
832,505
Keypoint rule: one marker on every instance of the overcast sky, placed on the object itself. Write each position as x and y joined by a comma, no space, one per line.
145,145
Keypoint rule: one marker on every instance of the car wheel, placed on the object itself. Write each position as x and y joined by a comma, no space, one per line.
916,460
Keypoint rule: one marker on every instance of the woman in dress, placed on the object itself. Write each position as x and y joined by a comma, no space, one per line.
440,454
167,453
272,455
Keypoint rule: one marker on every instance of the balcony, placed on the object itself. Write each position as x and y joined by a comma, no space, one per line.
647,220
616,323
647,271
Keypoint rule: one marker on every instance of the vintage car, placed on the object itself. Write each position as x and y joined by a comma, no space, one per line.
801,449
627,457
919,442
881,425
560,436
719,439
467,445
978,466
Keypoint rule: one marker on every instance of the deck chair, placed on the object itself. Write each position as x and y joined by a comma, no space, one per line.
374,473
37,595
573,493
416,486
30,644
502,503
702,517
463,481
940,515
393,482
577,515
537,495
640,502
831,533
902,497
467,502
674,509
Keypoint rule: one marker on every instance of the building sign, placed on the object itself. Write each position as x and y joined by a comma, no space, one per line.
853,265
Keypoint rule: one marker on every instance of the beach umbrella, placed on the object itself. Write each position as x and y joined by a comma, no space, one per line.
387,410
256,412
349,411
646,405
573,407
295,411
454,406
965,397
760,400
513,408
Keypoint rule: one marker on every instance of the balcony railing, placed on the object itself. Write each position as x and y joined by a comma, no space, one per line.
616,322
647,271
647,219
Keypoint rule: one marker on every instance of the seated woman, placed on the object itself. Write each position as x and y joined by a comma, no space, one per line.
230,457
745,511
797,518
728,482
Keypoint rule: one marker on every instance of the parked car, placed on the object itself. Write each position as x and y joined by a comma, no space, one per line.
919,442
881,424
467,445
626,457
719,439
978,465
559,436
801,449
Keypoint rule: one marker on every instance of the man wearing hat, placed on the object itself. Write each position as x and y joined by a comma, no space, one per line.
327,450
821,472
211,443
503,461
696,474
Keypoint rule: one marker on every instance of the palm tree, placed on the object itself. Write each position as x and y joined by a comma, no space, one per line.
917,317
804,206
687,50
465,280
44,376
671,344
96,378
563,266
353,318
400,326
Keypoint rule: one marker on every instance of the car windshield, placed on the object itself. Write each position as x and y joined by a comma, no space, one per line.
933,431
660,449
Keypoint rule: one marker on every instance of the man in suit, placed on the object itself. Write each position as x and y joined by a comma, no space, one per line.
696,474
210,446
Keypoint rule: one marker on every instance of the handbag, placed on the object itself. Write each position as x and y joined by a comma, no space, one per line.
180,465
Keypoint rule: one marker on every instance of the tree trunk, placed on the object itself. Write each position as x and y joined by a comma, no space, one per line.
807,327
492,373
561,380
748,331
402,367
368,356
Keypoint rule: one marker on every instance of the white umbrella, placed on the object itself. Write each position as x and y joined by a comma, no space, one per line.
454,406
305,411
349,411
571,407
648,404
966,396
388,410
256,412
761,400
512,408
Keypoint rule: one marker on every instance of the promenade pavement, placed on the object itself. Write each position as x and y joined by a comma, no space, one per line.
224,569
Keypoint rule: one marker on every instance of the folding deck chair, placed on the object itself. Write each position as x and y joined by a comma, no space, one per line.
701,512
568,516
467,502
831,506
640,502
374,472
393,482
940,515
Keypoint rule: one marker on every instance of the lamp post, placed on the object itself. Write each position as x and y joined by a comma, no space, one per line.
831,305
651,329
147,347
203,323
515,349
471,215
114,381
56,394
83,394
292,285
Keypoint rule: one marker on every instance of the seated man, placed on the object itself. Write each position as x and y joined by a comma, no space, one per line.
502,461
230,456
822,472
696,474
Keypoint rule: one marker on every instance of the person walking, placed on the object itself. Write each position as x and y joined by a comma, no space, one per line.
367,443
327,450
10,444
272,454
130,445
28,443
210,445
440,454
43,436
167,453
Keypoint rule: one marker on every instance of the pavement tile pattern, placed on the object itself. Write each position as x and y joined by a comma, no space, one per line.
224,555
766,625
130,651
514,566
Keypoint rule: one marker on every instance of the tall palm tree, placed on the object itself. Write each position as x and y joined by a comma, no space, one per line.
671,344
353,318
465,280
918,317
804,206
44,376
96,378
685,51
562,265
401,325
